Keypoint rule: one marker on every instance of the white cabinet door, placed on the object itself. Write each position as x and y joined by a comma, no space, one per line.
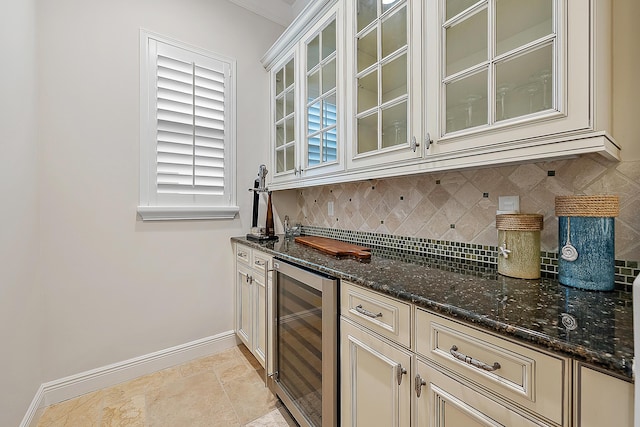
259,323
510,80
442,401
385,82
285,116
244,306
322,64
602,400
375,380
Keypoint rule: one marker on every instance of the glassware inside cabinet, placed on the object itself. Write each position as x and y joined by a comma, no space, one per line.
499,61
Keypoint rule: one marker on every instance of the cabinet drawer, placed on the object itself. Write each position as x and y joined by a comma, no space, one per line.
260,261
386,316
243,254
532,379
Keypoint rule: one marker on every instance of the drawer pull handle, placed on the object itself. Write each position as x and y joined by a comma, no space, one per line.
471,361
260,263
366,312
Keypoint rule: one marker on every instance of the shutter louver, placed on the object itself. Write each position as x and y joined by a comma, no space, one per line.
190,128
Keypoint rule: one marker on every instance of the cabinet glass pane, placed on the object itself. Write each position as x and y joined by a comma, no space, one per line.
454,7
290,75
289,105
279,81
329,111
329,76
368,91
394,32
329,40
525,84
289,130
388,4
467,102
394,78
279,135
520,22
394,125
279,108
313,86
313,151
280,161
466,43
313,118
290,157
367,50
367,133
329,146
313,52
367,12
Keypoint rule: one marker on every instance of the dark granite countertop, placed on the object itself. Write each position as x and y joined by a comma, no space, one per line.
599,330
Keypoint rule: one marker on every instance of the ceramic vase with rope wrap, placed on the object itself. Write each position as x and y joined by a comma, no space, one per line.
586,241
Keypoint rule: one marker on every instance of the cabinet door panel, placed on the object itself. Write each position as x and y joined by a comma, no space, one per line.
370,371
259,321
446,402
244,307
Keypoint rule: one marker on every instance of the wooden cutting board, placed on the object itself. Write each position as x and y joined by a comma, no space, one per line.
335,247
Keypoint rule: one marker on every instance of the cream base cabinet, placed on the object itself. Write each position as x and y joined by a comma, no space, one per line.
375,379
252,282
601,400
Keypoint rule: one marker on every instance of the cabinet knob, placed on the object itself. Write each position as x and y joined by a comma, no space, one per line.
427,140
414,144
419,383
400,371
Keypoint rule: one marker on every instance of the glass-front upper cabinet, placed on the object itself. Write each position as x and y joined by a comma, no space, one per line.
499,61
509,71
386,81
323,148
284,89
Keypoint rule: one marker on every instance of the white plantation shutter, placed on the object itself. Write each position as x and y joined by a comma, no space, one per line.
191,129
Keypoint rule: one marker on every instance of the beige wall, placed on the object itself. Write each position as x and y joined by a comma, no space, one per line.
20,296
115,287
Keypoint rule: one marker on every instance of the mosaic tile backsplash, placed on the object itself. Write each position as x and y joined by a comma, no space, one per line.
457,209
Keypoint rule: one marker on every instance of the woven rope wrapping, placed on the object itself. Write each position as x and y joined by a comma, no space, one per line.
519,222
594,206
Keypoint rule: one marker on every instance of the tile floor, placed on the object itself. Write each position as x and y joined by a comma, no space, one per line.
225,389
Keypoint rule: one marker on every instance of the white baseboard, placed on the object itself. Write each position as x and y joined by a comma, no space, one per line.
85,382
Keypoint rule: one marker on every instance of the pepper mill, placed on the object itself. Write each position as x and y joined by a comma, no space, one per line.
269,228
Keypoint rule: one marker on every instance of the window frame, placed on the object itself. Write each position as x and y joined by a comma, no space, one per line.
181,206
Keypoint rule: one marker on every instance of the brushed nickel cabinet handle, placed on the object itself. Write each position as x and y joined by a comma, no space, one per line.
400,371
419,383
366,312
474,362
259,263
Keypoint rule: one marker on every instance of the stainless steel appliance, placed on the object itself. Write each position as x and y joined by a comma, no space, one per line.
305,344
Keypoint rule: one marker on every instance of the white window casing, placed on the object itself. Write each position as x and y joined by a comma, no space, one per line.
187,132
